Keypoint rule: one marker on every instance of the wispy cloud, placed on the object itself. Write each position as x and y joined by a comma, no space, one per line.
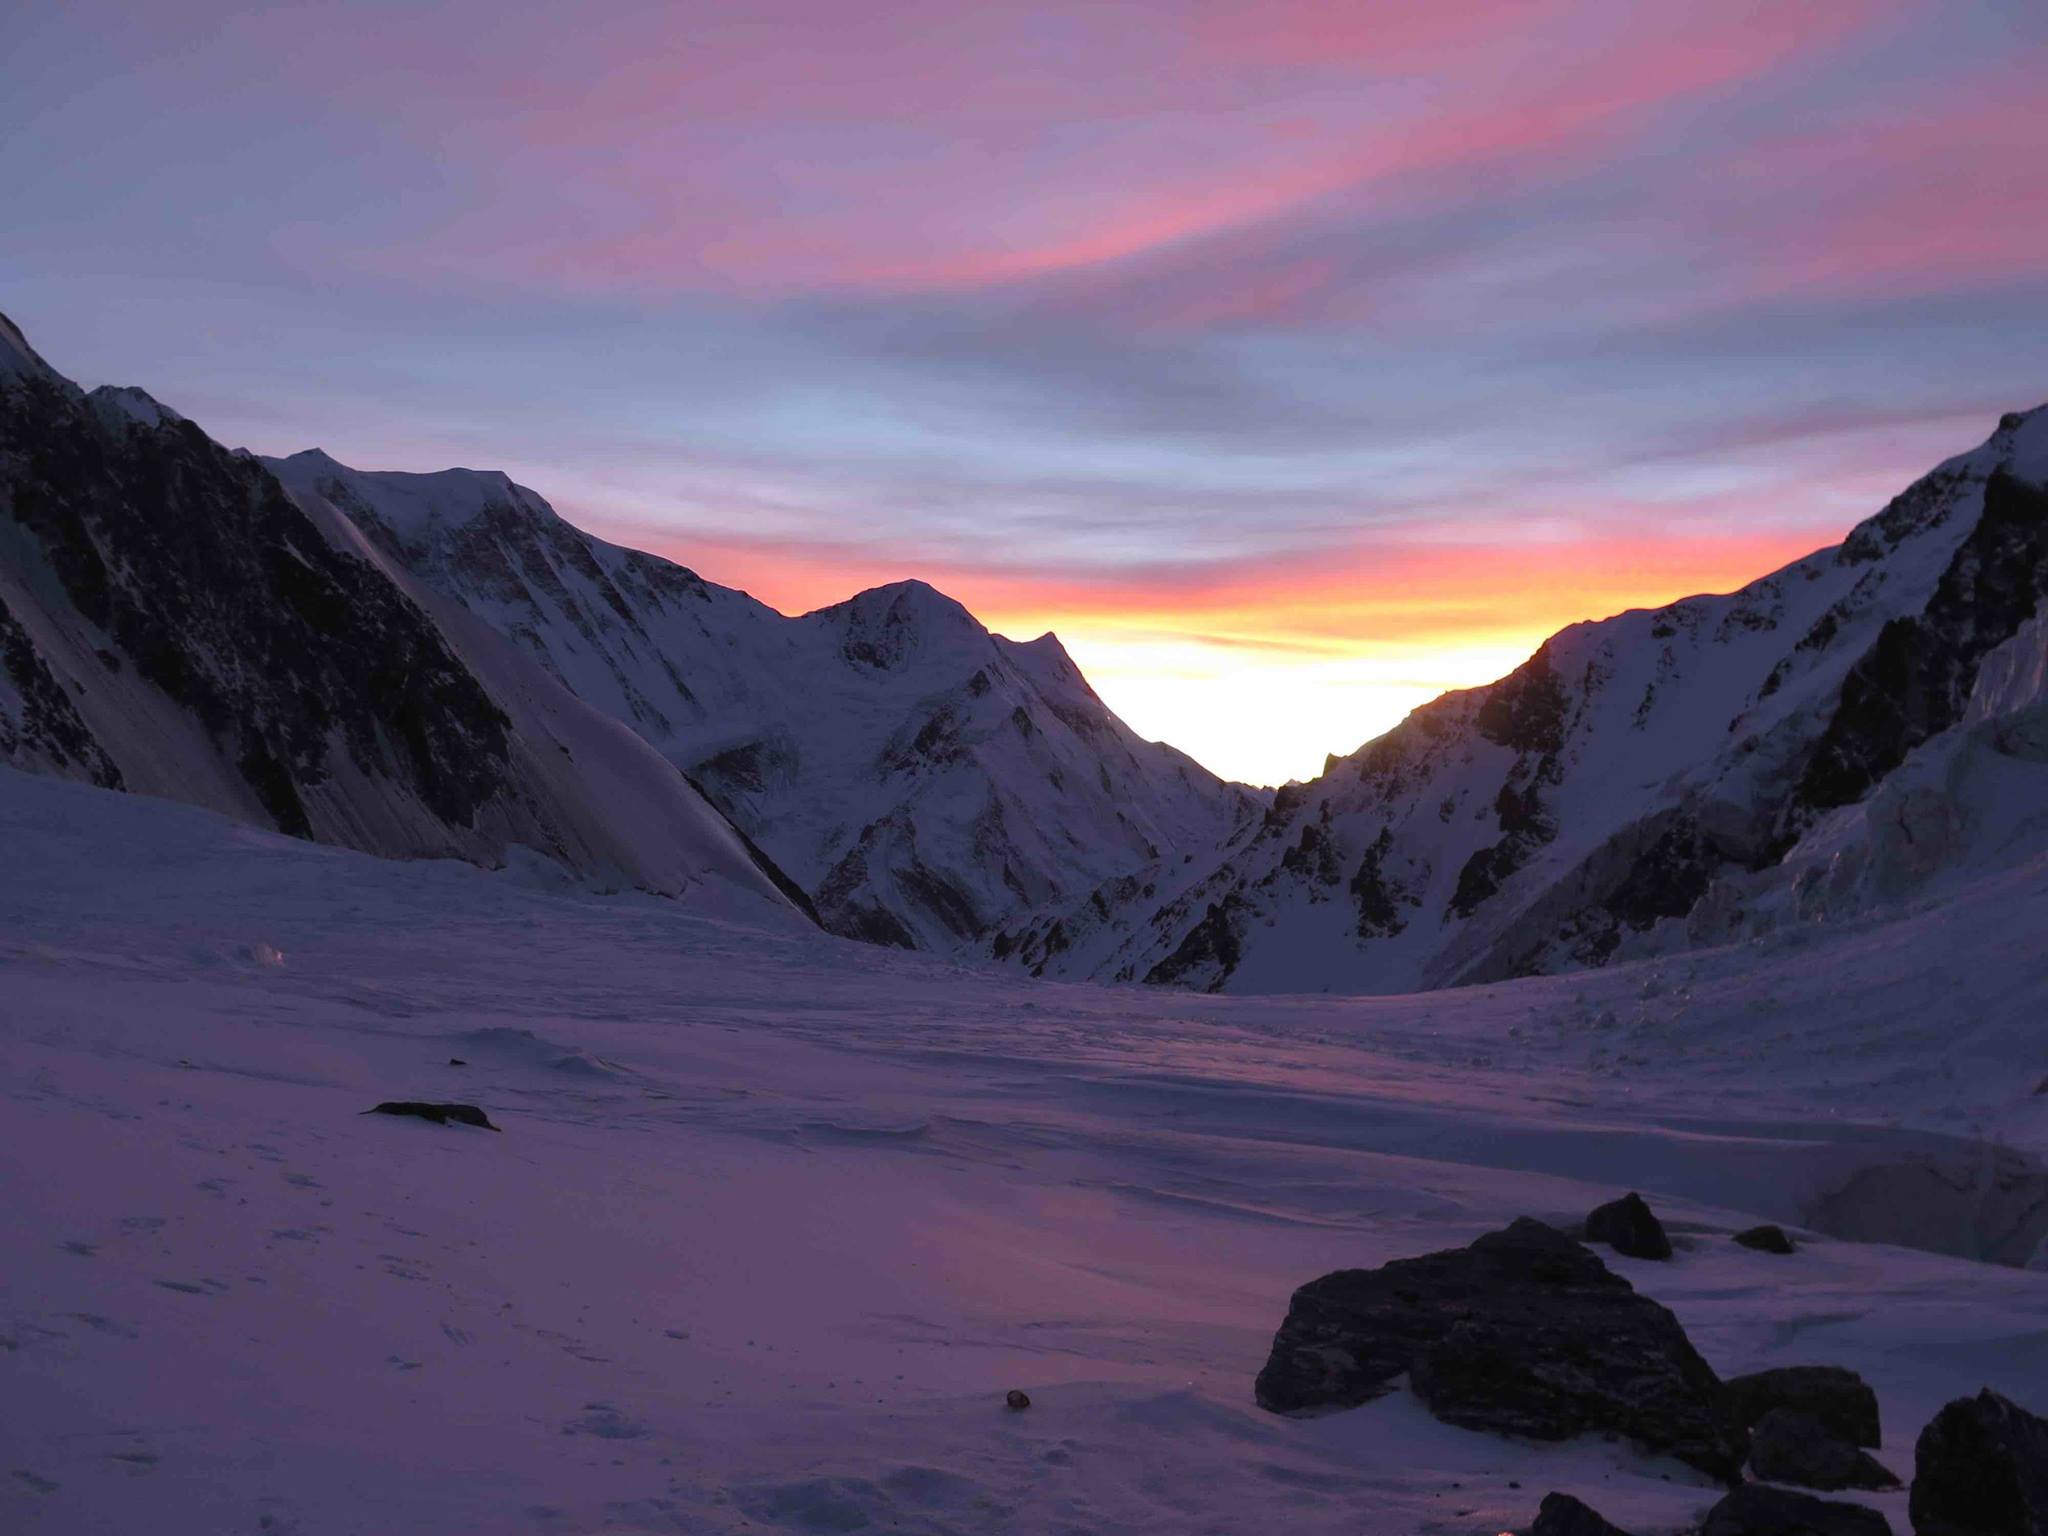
1398,333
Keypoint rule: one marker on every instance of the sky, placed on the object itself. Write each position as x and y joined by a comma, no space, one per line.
1292,361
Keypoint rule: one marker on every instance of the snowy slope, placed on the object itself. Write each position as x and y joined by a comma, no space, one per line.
775,1220
925,780
1840,732
172,624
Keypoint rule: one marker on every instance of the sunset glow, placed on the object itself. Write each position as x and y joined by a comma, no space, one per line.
1292,362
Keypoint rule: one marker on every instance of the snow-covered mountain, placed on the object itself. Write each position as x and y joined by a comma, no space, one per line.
171,623
926,781
1835,735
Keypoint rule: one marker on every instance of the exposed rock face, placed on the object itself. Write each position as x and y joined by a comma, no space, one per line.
1788,1446
1629,1227
929,784
1524,1332
1563,1515
173,623
1759,1511
1980,1468
1836,1396
1695,774
192,567
1765,1239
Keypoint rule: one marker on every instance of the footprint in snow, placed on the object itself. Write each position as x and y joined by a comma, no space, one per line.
40,1484
82,1249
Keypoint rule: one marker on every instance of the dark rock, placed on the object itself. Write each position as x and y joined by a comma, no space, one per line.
1759,1511
1765,1239
1981,1469
1791,1446
440,1114
300,661
1916,677
1209,952
1838,1397
1563,1515
1018,1401
1629,1227
457,1061
1525,1332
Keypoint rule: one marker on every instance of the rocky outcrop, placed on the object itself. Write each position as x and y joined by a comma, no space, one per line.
435,1114
1765,1239
1525,1332
1788,1446
1759,1511
1980,1468
1562,1515
1629,1227
1833,1394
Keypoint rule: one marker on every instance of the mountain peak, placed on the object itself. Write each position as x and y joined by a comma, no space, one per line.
2024,438
16,355
408,502
128,403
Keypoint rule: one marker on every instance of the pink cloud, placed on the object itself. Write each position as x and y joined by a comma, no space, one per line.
1948,191
919,147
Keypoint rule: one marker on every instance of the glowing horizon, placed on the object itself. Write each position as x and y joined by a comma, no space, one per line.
1262,693
1291,361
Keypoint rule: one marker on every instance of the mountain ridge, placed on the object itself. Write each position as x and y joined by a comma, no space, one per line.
924,779
172,623
1633,768
1836,733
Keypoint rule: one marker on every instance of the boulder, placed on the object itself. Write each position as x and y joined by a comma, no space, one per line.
1765,1239
1525,1332
1563,1515
1629,1227
1755,1510
1838,1397
1791,1446
1981,1469
440,1114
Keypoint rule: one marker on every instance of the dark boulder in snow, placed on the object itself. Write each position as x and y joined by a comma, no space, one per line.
1791,1446
1017,1401
1981,1469
1525,1332
1629,1227
1835,1395
1563,1515
440,1114
1765,1239
1759,1511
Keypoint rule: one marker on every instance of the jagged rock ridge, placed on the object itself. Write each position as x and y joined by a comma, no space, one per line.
172,622
1830,736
